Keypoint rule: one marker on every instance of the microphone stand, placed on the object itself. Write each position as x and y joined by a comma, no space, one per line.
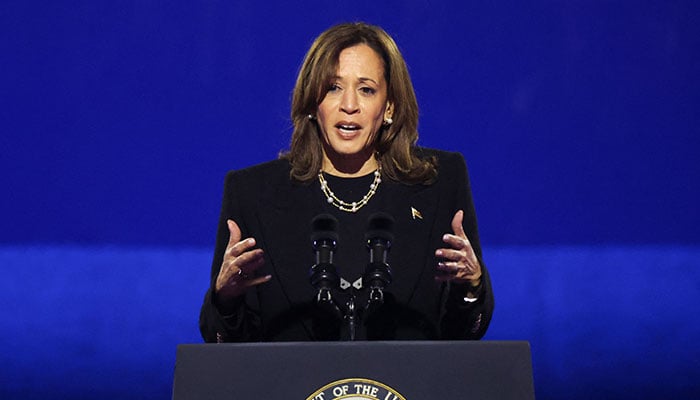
351,316
378,272
323,275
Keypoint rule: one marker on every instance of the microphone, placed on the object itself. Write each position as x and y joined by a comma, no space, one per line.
378,272
324,238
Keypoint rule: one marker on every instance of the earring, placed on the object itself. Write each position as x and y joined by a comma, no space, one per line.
388,121
311,117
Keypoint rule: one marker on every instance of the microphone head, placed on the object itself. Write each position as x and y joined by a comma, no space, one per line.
324,227
380,225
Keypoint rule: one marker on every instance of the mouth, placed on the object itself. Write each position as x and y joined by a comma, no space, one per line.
348,128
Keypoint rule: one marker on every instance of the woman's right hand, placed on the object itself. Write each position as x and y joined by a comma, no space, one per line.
237,273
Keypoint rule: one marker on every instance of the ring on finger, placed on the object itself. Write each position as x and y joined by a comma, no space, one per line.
242,275
449,268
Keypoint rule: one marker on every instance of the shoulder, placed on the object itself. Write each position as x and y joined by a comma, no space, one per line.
447,161
270,171
257,184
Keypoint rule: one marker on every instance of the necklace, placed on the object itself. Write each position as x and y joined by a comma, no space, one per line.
331,198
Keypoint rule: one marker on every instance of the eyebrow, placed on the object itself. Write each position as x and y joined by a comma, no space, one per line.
362,79
368,79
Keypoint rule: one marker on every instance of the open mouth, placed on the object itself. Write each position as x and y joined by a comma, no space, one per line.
348,128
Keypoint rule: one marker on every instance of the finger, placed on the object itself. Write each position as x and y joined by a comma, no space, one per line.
451,267
452,273
234,232
248,281
239,286
235,245
258,281
442,277
457,227
451,278
250,261
460,268
455,242
459,243
241,247
235,265
451,254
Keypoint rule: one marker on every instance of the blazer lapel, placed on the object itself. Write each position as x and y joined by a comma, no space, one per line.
285,223
414,209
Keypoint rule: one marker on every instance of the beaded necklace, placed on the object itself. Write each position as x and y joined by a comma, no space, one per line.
331,198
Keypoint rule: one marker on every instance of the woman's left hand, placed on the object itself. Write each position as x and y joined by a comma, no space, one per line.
458,261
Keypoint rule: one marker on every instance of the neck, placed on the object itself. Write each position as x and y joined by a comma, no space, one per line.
350,166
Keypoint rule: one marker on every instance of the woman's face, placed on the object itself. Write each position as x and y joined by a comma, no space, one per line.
354,108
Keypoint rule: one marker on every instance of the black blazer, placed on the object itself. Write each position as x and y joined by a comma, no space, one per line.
276,211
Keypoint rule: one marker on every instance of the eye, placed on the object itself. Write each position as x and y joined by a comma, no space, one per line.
333,87
368,90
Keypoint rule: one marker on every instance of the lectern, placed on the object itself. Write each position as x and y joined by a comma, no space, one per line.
394,370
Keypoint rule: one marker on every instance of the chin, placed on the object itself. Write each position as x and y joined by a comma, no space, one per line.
351,152
348,148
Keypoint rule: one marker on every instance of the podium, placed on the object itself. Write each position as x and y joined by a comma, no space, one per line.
421,370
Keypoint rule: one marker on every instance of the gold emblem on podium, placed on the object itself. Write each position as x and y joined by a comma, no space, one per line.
356,389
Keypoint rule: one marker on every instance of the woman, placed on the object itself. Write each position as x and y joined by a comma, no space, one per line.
353,153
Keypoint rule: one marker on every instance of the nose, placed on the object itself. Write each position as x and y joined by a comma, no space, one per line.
349,103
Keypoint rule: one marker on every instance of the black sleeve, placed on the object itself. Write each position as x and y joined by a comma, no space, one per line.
242,323
462,319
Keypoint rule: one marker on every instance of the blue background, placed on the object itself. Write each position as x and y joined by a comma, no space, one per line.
579,121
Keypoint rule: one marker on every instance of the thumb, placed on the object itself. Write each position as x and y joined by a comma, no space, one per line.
457,227
234,231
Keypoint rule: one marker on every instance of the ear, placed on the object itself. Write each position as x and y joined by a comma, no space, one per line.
389,111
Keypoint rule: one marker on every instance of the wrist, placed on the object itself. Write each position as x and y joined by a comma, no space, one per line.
227,305
472,291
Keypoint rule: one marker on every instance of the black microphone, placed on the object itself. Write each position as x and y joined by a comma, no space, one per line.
324,238
378,272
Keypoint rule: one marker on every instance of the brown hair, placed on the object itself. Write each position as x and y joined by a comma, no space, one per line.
395,143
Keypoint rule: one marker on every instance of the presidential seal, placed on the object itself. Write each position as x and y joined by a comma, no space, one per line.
356,389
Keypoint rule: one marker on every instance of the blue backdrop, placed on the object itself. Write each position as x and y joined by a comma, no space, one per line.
579,121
